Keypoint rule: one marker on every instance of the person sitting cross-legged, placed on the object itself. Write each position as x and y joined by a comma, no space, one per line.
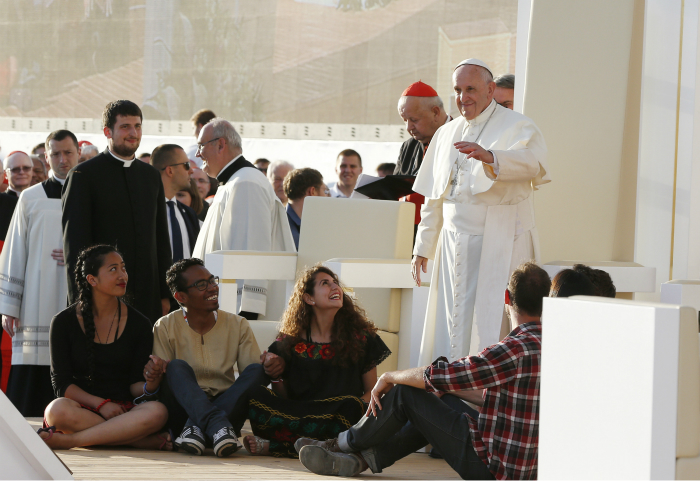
99,347
331,352
500,441
203,344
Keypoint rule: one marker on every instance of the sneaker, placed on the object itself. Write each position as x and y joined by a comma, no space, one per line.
191,440
330,444
225,442
319,460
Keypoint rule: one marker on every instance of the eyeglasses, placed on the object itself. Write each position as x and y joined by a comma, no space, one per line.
17,170
202,284
186,164
201,146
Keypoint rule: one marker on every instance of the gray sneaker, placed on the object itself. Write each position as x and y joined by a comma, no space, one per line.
191,440
225,442
319,460
330,444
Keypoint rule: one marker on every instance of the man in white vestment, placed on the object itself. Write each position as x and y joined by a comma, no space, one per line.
18,167
33,282
245,213
478,221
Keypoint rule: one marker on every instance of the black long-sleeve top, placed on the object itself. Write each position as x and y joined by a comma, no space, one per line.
117,365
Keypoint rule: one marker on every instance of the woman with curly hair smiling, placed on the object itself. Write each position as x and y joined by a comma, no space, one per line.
331,352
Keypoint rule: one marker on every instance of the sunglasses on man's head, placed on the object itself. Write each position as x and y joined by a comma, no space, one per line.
186,164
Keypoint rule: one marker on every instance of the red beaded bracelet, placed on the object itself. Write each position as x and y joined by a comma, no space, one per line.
102,404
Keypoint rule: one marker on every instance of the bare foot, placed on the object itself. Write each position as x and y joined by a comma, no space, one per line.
57,440
257,446
155,442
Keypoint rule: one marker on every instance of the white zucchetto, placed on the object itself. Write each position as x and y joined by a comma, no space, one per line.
474,61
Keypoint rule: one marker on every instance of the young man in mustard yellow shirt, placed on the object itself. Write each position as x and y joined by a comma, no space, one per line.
197,346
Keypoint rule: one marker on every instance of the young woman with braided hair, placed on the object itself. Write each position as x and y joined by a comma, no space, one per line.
99,347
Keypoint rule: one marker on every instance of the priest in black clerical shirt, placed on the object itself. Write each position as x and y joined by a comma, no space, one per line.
111,199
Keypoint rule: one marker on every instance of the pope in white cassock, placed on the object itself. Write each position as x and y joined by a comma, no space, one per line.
33,282
478,221
245,213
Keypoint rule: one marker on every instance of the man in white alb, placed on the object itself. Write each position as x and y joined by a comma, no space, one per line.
478,222
245,213
33,282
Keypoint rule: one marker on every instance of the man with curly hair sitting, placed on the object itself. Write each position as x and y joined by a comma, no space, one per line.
202,344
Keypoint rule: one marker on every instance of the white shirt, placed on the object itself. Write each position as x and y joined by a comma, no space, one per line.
183,229
336,192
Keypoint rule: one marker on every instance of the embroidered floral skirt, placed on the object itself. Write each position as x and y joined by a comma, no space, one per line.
283,421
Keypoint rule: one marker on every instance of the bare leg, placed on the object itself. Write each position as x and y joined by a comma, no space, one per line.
132,428
154,441
69,417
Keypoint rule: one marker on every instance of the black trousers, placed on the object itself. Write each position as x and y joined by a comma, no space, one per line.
410,419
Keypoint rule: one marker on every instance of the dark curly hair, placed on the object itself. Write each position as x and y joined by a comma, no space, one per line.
174,279
90,260
349,324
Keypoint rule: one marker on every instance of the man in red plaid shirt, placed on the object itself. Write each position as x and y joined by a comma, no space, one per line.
498,442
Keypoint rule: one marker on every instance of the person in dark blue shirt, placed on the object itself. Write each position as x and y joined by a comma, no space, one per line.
299,184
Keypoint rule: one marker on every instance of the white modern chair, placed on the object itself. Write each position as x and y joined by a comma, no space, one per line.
368,243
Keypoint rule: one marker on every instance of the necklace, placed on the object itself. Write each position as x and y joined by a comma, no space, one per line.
460,165
110,326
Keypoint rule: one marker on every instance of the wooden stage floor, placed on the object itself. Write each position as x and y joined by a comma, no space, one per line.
127,463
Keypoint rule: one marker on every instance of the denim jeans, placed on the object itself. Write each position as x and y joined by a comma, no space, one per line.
410,419
226,409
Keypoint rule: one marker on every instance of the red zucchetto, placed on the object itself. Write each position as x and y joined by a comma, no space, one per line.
419,89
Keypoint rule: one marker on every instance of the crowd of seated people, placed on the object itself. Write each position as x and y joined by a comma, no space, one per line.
119,382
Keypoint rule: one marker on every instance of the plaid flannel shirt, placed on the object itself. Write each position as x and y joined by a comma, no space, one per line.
505,436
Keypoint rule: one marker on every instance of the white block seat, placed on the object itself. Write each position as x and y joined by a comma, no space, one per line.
686,292
376,237
629,368
627,276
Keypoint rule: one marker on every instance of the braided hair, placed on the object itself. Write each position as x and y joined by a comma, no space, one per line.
90,260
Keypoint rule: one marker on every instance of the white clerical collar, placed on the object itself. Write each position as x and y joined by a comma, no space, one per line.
483,116
127,163
229,164
60,181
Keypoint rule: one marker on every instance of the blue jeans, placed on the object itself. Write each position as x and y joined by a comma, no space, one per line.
410,419
226,409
